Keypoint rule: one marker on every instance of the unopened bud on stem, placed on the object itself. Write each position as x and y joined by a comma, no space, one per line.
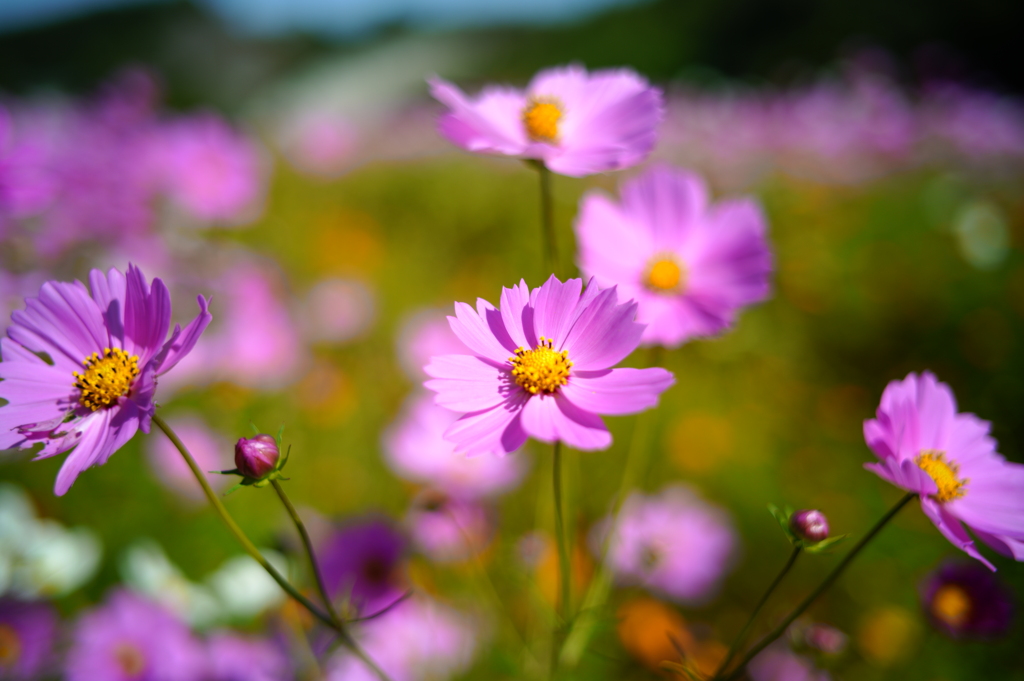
810,525
255,457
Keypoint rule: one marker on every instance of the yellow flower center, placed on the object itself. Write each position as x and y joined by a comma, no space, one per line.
933,462
952,605
541,370
541,120
106,378
130,659
10,645
665,276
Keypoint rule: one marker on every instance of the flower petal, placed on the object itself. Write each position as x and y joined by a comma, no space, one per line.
467,383
552,417
181,343
952,530
617,391
495,431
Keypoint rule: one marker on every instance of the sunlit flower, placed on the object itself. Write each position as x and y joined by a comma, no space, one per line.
417,640
574,122
949,459
28,631
967,601
416,450
131,639
449,529
233,657
673,542
540,366
363,562
689,265
106,352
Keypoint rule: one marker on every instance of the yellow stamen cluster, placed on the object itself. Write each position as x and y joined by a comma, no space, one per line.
665,275
541,370
541,117
130,659
933,462
10,646
106,377
952,605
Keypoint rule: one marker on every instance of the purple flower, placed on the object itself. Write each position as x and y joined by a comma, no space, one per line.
233,657
417,640
416,450
106,351
28,630
689,266
364,561
778,663
131,639
540,366
967,601
449,529
208,448
948,459
211,171
574,122
811,525
674,543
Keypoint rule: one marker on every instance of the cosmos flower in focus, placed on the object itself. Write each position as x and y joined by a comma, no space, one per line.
131,638
673,543
416,450
689,265
576,123
28,632
106,351
541,366
363,562
967,601
948,458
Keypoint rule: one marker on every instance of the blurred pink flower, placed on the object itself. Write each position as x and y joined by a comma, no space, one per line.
778,663
422,335
949,460
337,310
690,266
212,171
416,450
28,635
449,529
673,542
418,640
234,657
320,143
210,450
574,122
541,366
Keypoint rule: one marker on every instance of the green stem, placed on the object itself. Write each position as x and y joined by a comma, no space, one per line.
757,609
254,552
547,219
828,581
308,545
564,566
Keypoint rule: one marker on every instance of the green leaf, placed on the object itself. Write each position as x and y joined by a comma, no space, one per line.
825,545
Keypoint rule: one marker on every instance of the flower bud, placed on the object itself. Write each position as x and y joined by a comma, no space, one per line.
255,457
811,525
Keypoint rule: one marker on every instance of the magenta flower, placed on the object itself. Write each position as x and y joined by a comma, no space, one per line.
106,351
540,366
233,657
778,663
416,450
364,562
574,122
673,542
689,266
28,632
967,601
131,639
948,459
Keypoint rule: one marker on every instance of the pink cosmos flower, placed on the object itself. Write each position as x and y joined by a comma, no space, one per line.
689,266
105,350
234,657
950,461
673,542
416,450
131,639
574,122
541,366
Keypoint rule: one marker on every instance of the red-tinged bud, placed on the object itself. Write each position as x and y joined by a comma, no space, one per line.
255,457
810,525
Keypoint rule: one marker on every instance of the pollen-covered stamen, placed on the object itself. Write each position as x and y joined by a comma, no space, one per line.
541,117
541,370
933,462
952,605
665,275
106,377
